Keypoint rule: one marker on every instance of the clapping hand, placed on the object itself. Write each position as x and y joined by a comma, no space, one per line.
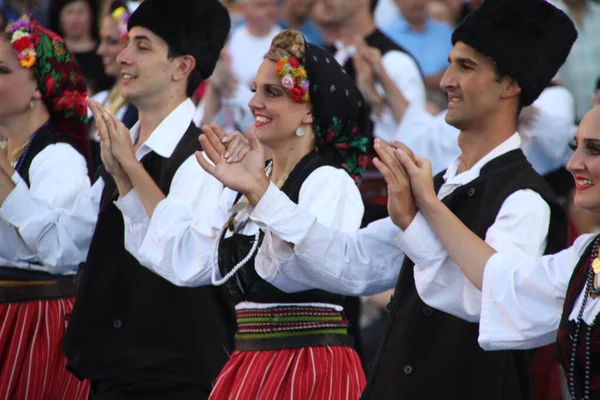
420,174
101,120
401,204
366,76
247,175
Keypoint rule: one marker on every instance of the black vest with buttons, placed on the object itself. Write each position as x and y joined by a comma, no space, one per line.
129,323
429,354
247,285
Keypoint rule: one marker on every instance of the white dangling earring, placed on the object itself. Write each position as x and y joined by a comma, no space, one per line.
300,131
32,104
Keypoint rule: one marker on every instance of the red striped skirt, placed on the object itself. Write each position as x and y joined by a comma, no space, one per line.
32,365
319,373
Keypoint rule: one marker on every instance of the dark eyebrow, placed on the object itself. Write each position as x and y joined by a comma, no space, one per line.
463,60
142,37
592,141
273,85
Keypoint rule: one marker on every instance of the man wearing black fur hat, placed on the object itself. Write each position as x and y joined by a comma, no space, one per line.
132,333
504,55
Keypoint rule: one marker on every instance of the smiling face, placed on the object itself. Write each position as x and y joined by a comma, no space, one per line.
110,47
145,69
474,91
585,162
276,115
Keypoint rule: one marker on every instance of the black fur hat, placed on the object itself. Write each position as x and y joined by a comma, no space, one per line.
191,27
527,39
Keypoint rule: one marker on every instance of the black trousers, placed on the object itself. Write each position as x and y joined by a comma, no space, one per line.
146,390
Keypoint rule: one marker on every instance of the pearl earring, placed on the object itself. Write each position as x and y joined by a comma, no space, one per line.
32,104
300,131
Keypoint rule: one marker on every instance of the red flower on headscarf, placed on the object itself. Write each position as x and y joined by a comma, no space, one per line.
80,106
293,62
362,161
50,83
22,44
342,146
297,93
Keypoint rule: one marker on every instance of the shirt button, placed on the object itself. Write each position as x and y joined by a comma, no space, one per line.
408,369
427,311
471,192
117,323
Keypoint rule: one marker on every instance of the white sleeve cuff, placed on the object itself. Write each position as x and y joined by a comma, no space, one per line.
18,207
277,213
131,206
419,241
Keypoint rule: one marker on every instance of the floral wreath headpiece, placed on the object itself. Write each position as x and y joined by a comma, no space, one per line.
22,42
294,79
121,16
59,77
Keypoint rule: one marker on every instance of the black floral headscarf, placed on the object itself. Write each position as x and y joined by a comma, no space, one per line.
340,116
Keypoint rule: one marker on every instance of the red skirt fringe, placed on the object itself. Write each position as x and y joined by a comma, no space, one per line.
32,365
325,372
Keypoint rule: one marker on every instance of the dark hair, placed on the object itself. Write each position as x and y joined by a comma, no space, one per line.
54,16
194,79
2,21
499,74
598,84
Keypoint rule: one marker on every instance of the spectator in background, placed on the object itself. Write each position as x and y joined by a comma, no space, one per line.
77,22
580,71
247,45
425,39
441,11
296,15
113,39
13,9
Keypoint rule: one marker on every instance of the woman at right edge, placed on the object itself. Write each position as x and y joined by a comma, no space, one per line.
525,303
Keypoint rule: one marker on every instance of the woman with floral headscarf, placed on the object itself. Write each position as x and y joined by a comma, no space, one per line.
113,39
310,114
43,166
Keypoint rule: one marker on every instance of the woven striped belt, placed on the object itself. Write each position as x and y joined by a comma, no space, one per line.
284,327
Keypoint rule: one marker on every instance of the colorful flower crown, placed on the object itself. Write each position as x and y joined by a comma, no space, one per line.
121,17
22,42
294,79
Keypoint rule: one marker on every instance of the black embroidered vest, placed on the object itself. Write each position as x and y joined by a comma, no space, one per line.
249,286
129,323
429,354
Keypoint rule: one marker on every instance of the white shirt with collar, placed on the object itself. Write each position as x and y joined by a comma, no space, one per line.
44,226
63,236
192,189
369,261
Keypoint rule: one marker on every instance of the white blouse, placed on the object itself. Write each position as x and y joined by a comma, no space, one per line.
368,262
42,228
179,242
523,300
